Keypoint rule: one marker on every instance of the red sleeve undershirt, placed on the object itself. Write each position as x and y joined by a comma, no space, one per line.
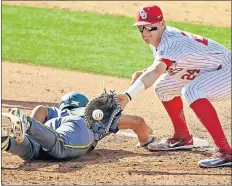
167,62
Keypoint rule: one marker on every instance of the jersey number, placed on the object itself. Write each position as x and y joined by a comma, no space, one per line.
196,38
191,74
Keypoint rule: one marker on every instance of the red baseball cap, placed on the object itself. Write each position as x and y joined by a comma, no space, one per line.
148,14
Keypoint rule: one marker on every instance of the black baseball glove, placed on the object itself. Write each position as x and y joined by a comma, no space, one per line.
110,106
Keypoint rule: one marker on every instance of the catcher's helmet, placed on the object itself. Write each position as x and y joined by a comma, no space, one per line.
73,100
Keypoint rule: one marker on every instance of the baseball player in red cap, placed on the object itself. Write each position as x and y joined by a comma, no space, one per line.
188,66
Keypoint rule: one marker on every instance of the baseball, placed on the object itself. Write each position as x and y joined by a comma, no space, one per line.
97,114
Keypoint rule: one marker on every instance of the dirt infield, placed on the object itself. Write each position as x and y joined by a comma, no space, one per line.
116,160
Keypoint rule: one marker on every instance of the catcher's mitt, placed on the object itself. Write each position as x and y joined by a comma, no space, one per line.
110,106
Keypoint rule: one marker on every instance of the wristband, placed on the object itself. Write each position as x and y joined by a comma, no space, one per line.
128,95
134,89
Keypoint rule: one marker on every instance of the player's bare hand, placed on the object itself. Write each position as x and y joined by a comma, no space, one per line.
123,99
135,76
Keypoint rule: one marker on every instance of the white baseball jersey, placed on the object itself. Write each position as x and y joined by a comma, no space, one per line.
188,56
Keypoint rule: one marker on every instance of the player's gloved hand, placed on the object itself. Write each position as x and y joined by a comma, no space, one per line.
110,106
135,76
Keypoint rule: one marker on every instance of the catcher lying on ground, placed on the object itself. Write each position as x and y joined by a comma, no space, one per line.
62,133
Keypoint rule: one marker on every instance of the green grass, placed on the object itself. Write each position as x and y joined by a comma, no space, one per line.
89,42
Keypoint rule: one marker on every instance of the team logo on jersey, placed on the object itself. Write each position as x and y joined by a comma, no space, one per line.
143,14
172,71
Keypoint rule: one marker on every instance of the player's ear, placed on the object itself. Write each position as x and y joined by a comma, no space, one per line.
162,24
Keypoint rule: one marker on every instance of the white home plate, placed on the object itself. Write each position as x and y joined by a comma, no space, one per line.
127,134
197,142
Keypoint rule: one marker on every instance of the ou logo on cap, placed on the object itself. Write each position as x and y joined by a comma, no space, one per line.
143,14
